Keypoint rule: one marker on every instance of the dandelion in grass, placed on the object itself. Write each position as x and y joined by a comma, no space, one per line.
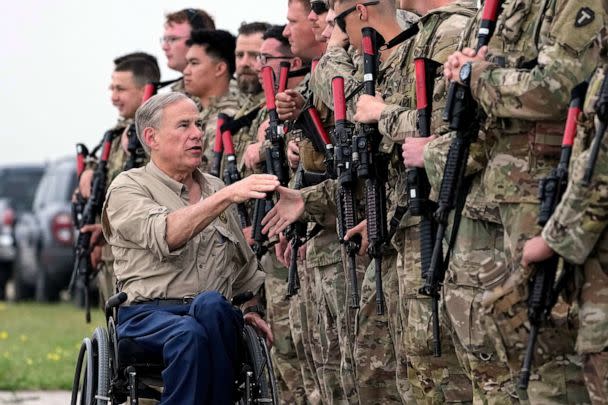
23,338
3,335
53,356
29,361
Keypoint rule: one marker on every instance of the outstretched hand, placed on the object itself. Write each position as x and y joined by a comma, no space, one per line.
286,211
252,187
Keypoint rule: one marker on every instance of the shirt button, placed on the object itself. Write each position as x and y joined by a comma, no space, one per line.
200,266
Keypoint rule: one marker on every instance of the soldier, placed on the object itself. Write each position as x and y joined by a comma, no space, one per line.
131,74
434,379
178,26
207,76
521,82
577,232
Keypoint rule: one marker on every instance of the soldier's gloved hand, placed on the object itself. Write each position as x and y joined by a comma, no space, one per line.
536,250
369,109
293,154
413,151
251,157
359,229
85,183
286,211
254,186
289,104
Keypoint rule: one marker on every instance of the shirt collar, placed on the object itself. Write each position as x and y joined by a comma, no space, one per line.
178,188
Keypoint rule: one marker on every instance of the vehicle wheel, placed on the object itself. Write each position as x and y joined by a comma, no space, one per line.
23,290
5,275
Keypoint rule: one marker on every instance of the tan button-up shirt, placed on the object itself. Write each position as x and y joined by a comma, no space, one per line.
134,224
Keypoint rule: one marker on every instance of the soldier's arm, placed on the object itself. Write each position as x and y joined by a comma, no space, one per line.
582,215
542,93
320,202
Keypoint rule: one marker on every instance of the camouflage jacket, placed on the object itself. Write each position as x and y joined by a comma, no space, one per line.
538,53
225,104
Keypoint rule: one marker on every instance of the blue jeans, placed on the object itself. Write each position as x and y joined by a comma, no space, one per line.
199,342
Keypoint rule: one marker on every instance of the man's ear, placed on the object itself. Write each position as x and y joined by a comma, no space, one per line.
221,68
296,63
363,14
150,138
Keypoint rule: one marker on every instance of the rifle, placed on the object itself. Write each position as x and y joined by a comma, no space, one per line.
92,208
543,295
137,154
372,165
231,173
78,204
418,186
218,147
296,233
345,195
276,160
462,114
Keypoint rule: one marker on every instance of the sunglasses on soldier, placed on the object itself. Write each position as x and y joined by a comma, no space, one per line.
340,18
319,7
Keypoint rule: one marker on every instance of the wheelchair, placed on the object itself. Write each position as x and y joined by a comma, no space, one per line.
111,370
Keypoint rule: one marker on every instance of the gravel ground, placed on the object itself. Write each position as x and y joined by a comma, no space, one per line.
35,398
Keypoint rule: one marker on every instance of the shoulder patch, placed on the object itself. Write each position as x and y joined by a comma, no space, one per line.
584,17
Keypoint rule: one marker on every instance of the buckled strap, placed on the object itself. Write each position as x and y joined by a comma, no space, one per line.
165,301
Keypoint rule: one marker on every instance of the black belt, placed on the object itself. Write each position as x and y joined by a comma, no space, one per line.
165,301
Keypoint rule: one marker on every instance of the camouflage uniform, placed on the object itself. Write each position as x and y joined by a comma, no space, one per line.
539,52
224,104
434,380
577,231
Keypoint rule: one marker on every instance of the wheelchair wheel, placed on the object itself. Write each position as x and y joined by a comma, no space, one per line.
92,367
100,342
262,387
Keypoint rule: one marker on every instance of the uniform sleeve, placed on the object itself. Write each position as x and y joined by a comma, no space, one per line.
320,202
336,62
132,219
542,93
582,215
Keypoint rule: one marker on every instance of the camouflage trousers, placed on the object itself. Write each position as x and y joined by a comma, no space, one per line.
592,339
434,380
283,352
300,308
462,293
337,377
375,349
557,371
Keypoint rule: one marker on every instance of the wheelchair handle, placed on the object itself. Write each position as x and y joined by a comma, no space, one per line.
114,302
241,298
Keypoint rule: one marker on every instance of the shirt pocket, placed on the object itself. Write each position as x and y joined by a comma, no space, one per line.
514,17
221,257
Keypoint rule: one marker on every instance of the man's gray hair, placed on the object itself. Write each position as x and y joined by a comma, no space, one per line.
150,113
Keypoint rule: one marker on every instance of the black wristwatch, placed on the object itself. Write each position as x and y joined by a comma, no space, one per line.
257,308
465,73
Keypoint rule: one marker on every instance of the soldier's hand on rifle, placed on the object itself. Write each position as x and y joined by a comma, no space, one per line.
413,151
451,68
281,248
369,109
248,237
85,182
359,229
254,186
293,154
286,211
251,157
289,104
536,250
97,240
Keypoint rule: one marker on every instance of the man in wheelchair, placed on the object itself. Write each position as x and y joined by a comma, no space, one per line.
179,251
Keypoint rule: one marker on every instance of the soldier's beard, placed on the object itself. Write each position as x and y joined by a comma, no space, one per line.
249,83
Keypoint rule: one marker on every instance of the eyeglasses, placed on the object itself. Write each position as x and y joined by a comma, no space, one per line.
319,7
263,58
340,18
170,39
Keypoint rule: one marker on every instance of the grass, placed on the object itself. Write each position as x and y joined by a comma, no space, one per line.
39,344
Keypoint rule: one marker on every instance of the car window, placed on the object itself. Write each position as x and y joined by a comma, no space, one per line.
19,185
57,185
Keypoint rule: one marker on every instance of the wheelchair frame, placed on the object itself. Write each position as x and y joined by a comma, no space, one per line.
102,378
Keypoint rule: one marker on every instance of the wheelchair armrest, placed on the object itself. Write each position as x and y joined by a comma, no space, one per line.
114,302
241,298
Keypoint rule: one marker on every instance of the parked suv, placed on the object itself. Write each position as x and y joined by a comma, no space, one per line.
45,237
17,187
